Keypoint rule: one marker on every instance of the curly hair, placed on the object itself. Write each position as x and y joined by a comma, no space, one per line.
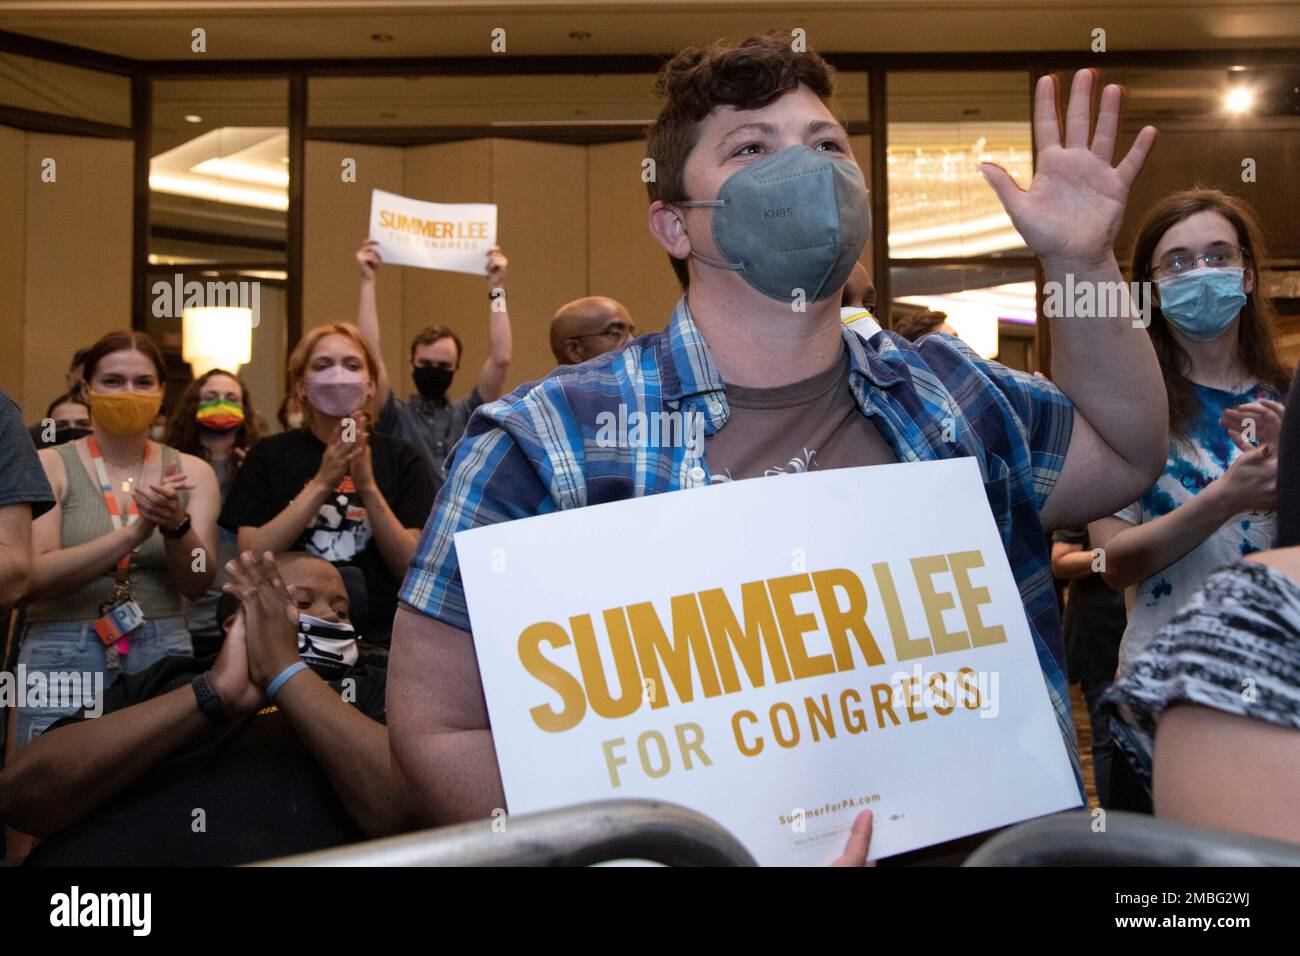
183,429
748,75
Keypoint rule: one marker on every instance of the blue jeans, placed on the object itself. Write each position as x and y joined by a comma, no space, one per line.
73,647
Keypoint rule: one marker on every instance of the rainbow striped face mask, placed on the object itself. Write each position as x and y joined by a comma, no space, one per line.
220,415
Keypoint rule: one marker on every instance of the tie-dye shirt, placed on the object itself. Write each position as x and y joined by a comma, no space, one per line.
1190,467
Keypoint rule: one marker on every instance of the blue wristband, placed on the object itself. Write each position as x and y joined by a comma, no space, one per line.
285,674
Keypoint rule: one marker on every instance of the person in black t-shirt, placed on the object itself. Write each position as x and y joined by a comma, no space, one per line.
1092,627
335,488
163,779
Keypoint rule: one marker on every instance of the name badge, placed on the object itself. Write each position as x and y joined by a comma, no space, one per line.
119,621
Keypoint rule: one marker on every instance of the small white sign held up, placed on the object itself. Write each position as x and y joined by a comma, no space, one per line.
454,237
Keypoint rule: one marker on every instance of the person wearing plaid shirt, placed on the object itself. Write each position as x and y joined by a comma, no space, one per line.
1049,456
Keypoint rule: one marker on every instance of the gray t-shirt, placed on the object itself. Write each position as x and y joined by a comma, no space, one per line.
805,426
432,427
22,479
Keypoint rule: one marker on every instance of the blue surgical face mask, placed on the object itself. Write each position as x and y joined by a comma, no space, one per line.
1203,303
793,224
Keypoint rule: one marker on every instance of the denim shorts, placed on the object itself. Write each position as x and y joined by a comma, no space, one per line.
72,648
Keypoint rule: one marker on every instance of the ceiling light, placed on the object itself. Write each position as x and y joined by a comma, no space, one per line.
1239,99
193,118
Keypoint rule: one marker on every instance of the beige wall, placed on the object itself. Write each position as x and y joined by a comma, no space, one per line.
335,215
571,220
65,257
13,263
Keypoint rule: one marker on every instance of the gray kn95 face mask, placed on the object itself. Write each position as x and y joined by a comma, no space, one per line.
794,222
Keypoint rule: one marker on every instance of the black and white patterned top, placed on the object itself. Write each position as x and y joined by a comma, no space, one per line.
1234,647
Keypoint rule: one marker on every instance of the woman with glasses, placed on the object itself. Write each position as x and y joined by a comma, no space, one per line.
1213,334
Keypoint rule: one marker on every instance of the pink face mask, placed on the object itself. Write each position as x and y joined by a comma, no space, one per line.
336,391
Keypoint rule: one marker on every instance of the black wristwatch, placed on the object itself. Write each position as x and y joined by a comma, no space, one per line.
180,531
209,700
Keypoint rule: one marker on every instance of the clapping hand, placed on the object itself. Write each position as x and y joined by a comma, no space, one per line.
270,613
160,504
1260,421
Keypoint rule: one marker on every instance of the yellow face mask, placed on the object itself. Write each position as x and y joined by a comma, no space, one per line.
124,413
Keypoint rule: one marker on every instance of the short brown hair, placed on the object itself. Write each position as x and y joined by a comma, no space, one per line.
917,324
435,333
120,342
748,75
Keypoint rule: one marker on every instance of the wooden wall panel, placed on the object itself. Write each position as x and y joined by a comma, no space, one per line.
449,172
623,260
13,262
336,218
78,256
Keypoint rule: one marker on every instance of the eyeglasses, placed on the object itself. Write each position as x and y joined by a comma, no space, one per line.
1218,256
615,332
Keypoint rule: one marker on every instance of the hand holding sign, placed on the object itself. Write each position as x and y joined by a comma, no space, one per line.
896,674
455,237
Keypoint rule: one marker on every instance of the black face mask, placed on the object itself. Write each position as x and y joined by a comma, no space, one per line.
432,381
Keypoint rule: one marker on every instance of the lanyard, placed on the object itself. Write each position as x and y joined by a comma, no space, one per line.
110,499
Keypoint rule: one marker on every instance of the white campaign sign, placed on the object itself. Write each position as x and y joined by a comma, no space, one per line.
454,237
778,654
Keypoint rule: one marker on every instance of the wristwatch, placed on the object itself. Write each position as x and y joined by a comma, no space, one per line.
179,531
209,700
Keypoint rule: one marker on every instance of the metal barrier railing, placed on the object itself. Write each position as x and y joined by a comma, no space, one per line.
571,836
1128,839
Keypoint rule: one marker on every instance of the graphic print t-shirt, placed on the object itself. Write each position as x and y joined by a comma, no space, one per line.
806,426
278,468
1191,466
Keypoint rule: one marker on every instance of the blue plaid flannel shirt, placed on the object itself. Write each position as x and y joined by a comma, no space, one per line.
534,451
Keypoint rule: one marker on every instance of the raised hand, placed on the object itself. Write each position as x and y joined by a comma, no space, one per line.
336,459
361,465
270,614
160,504
1072,210
369,259
496,268
229,675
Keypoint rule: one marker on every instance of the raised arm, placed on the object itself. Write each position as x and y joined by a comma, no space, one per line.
1105,363
283,530
1135,552
492,377
442,744
369,260
350,747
